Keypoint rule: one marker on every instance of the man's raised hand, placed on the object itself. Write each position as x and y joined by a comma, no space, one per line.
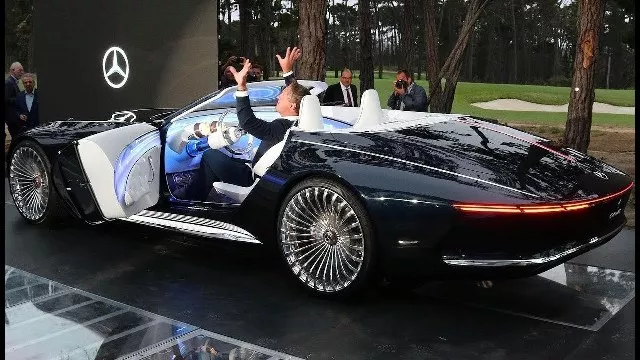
289,59
241,76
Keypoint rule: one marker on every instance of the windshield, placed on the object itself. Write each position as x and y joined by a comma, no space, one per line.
264,93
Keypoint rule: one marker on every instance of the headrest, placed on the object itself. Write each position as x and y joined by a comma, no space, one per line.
370,110
310,114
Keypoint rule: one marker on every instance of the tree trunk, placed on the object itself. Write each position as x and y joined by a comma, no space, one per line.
515,43
312,33
442,86
407,37
578,127
379,38
245,29
431,40
366,56
265,43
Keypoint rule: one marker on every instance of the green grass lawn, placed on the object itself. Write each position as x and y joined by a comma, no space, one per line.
468,93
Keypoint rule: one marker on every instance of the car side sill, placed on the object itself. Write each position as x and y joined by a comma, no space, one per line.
193,225
533,261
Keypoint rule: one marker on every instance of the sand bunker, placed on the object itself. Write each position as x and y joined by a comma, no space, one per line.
519,105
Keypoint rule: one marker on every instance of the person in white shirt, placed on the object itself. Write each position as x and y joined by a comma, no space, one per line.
343,92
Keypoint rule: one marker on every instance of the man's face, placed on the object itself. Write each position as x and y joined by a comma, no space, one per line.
257,73
345,78
404,77
28,83
17,71
284,106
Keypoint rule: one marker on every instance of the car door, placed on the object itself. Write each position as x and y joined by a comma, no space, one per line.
122,167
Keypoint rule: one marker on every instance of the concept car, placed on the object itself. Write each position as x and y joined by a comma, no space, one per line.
349,194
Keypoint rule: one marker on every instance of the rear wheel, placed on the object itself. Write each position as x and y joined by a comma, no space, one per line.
31,185
326,239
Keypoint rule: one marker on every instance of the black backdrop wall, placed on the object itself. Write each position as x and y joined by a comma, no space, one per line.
171,47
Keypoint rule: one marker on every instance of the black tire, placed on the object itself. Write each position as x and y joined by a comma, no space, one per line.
54,211
339,242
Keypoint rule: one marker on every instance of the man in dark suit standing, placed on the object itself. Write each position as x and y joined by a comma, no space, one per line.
215,165
344,91
27,104
11,91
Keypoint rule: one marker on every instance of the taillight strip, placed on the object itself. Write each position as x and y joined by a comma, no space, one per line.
547,208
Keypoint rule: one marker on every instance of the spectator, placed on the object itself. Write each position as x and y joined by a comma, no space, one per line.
344,92
407,95
11,91
226,77
27,103
255,73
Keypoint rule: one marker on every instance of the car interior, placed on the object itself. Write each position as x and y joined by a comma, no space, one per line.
181,168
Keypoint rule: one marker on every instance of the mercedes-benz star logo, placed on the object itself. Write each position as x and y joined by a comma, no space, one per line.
111,67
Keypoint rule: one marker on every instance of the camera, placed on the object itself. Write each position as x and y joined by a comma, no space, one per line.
401,84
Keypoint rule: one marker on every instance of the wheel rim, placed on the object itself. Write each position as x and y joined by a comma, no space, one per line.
29,183
322,239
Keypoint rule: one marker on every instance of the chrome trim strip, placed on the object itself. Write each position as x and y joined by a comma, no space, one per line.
415,164
459,261
193,225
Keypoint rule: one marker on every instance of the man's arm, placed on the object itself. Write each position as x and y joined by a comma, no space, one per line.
416,101
391,103
9,94
288,78
263,130
354,91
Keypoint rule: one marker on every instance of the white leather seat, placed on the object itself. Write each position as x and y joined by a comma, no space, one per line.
239,193
310,120
370,110
310,114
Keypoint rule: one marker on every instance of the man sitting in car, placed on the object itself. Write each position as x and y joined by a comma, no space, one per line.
217,166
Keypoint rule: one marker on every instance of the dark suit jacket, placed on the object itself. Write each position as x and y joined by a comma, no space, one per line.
334,94
11,90
270,133
414,100
33,118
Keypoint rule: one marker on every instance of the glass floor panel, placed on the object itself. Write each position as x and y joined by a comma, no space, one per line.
48,320
571,294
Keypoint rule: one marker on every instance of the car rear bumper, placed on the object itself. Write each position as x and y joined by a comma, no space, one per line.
553,256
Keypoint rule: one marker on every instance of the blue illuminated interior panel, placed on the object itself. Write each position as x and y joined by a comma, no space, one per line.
128,158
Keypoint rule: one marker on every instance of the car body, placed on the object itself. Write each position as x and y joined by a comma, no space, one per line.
415,195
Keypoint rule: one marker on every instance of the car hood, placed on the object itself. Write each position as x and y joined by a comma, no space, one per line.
494,154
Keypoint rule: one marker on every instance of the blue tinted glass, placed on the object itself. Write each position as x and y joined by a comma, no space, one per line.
263,95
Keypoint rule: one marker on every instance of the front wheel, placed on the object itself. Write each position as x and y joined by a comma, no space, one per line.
31,185
326,239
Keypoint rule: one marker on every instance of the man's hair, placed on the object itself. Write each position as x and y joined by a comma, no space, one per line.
256,66
28,75
346,69
297,93
14,65
405,72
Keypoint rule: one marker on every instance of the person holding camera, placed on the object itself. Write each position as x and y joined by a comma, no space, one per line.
407,95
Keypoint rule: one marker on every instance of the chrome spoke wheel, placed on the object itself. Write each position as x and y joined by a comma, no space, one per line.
29,183
322,239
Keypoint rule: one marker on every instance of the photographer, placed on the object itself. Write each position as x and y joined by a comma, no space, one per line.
226,77
407,95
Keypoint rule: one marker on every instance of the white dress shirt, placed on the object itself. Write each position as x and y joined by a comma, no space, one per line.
29,98
346,89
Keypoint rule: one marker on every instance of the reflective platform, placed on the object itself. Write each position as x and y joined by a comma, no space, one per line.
576,295
48,320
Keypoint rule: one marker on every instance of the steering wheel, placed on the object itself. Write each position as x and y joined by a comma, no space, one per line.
244,150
